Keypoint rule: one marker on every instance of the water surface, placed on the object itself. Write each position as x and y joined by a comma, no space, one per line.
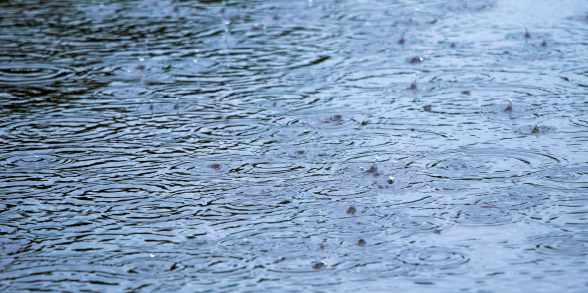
195,146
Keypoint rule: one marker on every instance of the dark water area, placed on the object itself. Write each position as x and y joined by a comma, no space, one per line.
327,146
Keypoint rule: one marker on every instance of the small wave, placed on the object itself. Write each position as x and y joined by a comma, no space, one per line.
17,74
485,164
432,258
561,245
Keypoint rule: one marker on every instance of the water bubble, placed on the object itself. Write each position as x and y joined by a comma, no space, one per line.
152,255
141,59
195,60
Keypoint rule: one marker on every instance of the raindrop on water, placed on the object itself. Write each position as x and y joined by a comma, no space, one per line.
509,108
177,105
351,210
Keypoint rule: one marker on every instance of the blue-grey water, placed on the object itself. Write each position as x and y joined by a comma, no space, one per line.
273,146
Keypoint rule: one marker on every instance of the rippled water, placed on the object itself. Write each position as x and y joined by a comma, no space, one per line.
294,146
